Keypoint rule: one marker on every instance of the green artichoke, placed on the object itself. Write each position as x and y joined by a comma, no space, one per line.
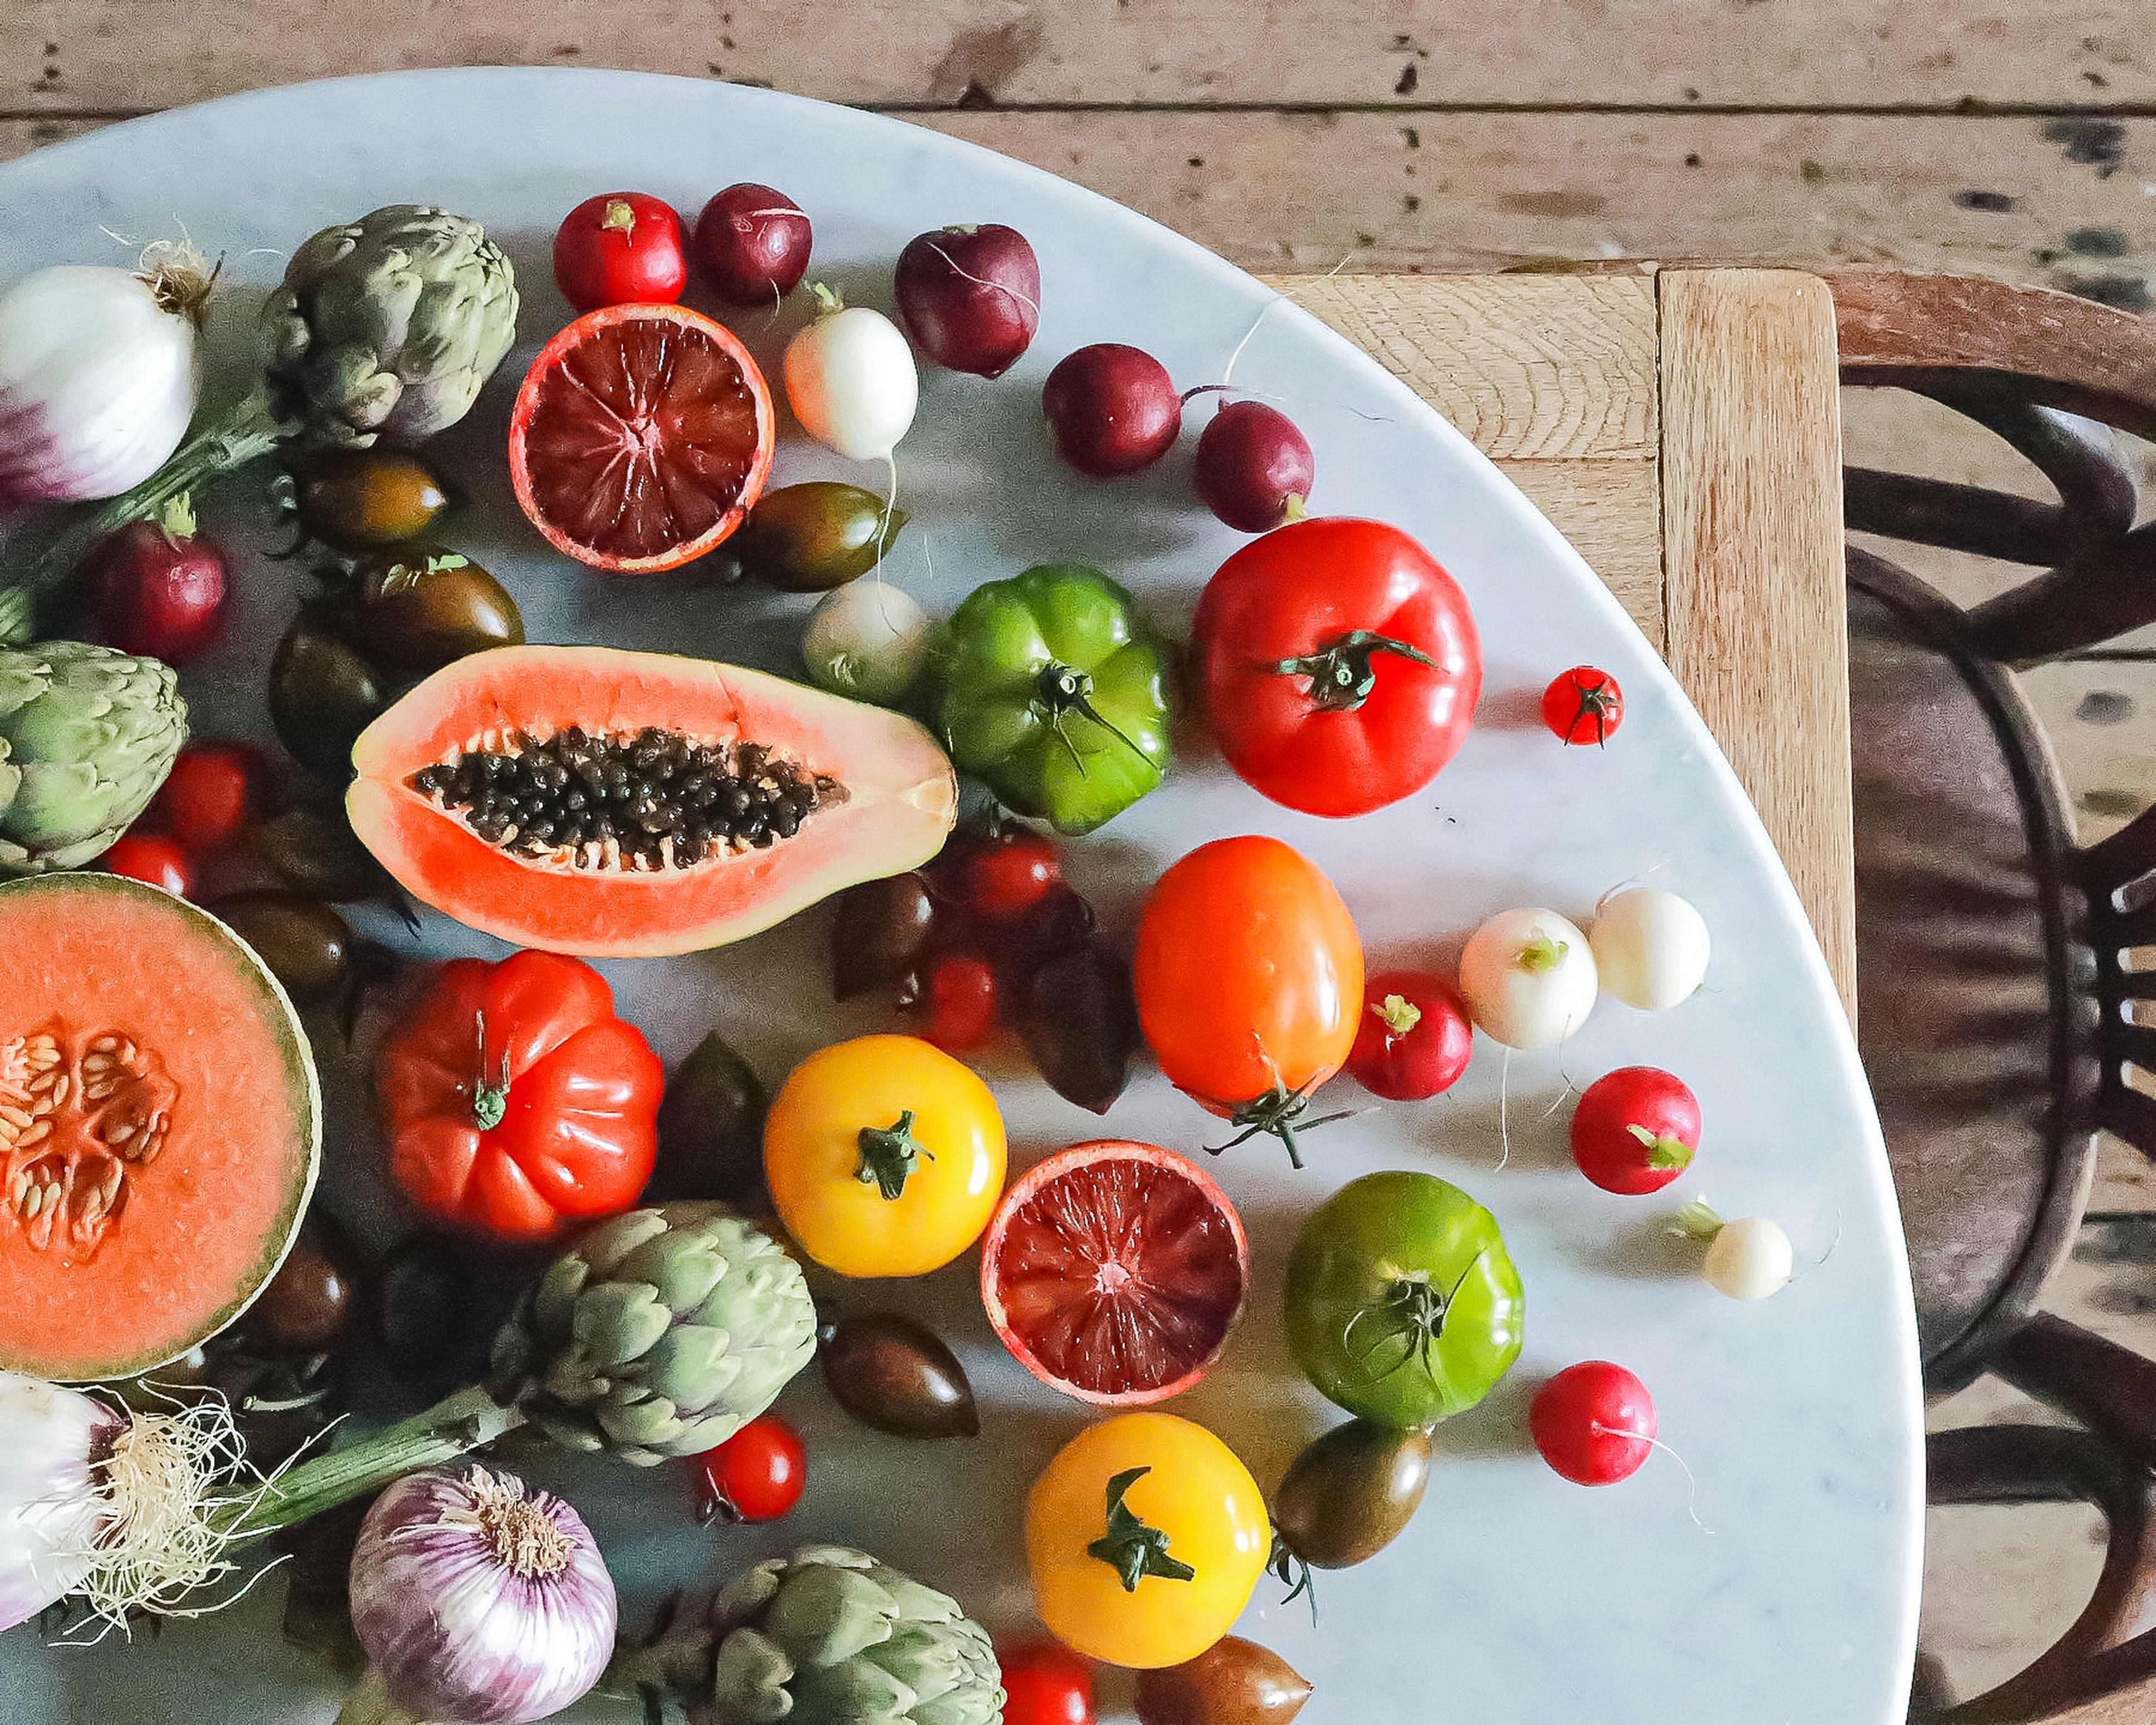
660,1333
827,1636
86,737
388,326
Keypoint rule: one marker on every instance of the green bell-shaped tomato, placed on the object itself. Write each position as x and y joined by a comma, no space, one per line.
1052,690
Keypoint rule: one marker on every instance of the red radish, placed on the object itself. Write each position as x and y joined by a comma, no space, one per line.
1635,1130
1011,874
214,793
752,244
970,297
962,1004
1593,1422
1113,409
160,587
144,856
1254,468
1583,705
620,248
1414,1037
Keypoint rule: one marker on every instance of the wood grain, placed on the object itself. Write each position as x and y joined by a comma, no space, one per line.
149,53
1752,557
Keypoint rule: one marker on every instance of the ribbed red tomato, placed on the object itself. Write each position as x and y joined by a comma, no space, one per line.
1338,663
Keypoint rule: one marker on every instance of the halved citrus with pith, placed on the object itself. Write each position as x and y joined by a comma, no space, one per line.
641,437
1114,1270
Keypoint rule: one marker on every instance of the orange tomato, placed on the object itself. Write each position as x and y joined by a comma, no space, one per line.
1250,980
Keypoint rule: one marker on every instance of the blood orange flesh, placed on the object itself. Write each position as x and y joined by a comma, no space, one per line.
641,437
1114,1270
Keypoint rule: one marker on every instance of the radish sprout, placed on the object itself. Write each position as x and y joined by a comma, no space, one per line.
1529,978
1748,1259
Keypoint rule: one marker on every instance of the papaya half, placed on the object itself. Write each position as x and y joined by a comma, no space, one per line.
611,803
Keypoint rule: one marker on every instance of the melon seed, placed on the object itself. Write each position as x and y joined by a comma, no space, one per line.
653,800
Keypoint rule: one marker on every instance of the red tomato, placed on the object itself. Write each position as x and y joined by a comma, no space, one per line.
515,1104
1338,663
1010,875
1635,1130
1250,982
620,248
1583,705
756,1475
214,793
1045,1683
962,1004
144,856
1414,1037
1593,1422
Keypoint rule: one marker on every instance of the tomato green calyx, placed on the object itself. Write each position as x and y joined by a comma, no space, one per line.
1061,690
1342,673
1130,1547
1545,954
890,1153
1697,1220
489,1102
1293,1574
1398,1014
1661,1152
620,217
828,301
1413,1312
1278,1112
1599,703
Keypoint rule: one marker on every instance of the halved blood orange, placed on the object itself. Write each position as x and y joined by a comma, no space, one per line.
1114,1270
641,437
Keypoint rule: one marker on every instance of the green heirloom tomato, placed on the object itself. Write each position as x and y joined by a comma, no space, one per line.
1403,1305
1052,690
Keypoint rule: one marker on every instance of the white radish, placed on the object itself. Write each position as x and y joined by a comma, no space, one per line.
1748,1259
851,380
866,641
1528,977
1650,948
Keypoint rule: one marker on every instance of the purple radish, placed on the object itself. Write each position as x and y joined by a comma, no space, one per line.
160,588
752,244
1113,409
970,297
1254,468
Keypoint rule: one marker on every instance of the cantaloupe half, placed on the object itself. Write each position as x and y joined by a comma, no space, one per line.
160,1121
893,801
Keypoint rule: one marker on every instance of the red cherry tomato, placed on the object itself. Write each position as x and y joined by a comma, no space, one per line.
1635,1130
1414,1037
1338,663
1593,1423
144,856
756,1475
1045,1683
1583,705
620,248
962,1004
1010,876
215,791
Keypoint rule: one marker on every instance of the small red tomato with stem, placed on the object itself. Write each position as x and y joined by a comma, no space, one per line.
752,244
1593,1422
1045,1683
969,296
213,795
1113,409
1583,705
1253,469
756,1475
161,588
620,248
145,856
1635,1130
1414,1037
962,1004
1009,876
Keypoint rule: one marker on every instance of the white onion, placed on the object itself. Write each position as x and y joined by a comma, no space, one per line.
99,378
1528,977
1650,948
866,641
51,1508
851,380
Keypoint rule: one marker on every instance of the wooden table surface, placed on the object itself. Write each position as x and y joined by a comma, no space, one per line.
1681,428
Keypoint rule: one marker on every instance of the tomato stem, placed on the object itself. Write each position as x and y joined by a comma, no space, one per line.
1415,1311
1064,689
1278,1112
489,1102
1294,1574
1342,673
889,1154
1130,1547
1600,702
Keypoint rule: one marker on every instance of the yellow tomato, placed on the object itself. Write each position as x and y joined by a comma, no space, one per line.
1091,1526
884,1156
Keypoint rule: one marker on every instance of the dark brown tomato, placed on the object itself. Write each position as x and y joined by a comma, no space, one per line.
306,944
359,499
894,1375
711,1130
308,1306
1079,1021
314,851
419,610
1348,1495
432,1313
881,930
323,692
816,535
1232,1682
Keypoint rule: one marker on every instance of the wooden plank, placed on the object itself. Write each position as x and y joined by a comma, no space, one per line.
149,54
1484,191
1752,564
